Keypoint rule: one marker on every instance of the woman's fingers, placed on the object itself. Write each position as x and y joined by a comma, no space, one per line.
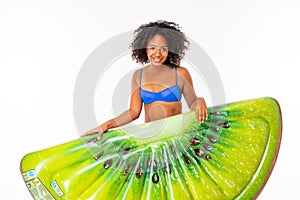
197,114
99,134
201,113
91,132
206,113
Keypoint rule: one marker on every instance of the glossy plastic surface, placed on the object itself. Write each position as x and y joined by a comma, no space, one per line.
230,156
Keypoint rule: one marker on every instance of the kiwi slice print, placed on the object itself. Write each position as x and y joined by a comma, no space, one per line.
229,156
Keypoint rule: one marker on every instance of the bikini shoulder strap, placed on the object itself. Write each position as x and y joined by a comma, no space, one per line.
176,75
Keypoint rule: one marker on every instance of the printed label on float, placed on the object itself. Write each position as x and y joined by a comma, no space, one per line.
36,187
57,189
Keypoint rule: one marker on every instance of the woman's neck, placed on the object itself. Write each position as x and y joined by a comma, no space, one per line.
158,68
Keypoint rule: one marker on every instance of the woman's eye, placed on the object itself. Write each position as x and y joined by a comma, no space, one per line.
164,49
152,48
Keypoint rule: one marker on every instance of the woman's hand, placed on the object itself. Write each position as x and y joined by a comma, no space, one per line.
98,130
201,112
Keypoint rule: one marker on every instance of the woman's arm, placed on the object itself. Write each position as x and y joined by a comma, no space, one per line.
193,102
127,116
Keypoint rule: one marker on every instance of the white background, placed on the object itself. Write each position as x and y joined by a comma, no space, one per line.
43,44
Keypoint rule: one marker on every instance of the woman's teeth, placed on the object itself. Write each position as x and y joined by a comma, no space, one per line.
157,59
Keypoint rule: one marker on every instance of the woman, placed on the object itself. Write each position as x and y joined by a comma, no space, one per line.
160,84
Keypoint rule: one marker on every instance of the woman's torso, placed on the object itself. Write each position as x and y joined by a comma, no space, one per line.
164,87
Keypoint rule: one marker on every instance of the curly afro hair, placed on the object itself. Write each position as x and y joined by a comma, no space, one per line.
176,40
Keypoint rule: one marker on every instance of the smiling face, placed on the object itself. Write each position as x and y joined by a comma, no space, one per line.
157,50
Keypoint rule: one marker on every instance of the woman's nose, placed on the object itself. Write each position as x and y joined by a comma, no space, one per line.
157,52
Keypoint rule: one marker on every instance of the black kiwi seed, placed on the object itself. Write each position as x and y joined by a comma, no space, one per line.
167,169
126,170
199,153
214,129
138,172
126,151
92,140
155,178
207,157
212,139
213,121
221,113
214,113
99,155
148,162
107,164
194,142
224,125
186,159
173,150
154,165
207,146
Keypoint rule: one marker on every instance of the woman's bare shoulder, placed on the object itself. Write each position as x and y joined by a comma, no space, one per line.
136,76
136,72
183,71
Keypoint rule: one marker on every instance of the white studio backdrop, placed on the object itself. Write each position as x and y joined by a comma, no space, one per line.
43,44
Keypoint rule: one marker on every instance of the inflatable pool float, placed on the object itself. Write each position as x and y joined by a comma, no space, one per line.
229,156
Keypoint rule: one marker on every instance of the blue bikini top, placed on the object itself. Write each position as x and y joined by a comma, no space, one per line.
170,94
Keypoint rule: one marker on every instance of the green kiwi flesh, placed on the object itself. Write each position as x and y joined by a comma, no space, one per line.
229,156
